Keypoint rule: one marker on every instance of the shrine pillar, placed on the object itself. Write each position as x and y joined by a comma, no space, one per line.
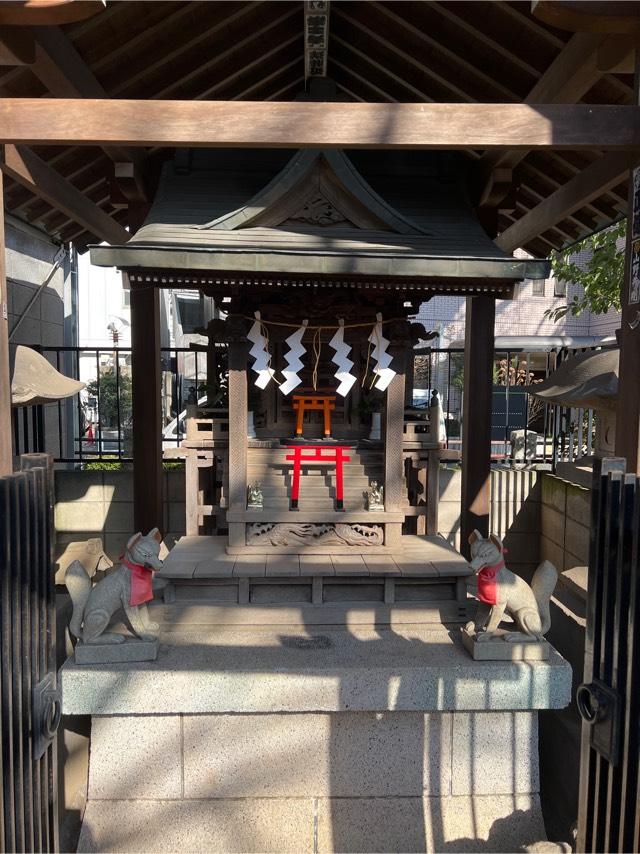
476,420
146,408
395,492
238,417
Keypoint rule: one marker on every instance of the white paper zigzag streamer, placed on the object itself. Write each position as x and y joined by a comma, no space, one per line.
342,360
382,370
292,357
260,354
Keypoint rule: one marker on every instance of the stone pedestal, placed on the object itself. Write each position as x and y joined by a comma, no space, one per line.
275,739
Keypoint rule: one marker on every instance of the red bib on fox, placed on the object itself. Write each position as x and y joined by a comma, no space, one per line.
141,582
488,584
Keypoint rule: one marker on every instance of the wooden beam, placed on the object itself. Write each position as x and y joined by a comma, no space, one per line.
59,66
302,124
6,428
617,54
25,167
51,13
573,72
476,428
579,191
17,47
591,17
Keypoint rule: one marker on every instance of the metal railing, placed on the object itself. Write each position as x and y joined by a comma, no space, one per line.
96,425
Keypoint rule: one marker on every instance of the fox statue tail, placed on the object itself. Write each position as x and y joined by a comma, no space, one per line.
543,584
79,587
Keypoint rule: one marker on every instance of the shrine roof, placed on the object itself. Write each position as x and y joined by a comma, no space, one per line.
391,216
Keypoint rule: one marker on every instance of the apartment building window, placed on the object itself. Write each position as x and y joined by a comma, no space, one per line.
537,287
559,288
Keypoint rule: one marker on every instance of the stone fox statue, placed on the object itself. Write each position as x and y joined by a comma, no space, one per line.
500,591
128,587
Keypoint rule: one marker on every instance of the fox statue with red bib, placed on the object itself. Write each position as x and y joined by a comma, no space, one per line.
128,588
502,592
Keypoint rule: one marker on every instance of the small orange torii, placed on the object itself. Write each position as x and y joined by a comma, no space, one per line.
314,401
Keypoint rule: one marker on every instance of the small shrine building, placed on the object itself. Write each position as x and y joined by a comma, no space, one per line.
320,259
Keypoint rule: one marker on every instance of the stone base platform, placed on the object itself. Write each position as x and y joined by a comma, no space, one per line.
319,739
424,581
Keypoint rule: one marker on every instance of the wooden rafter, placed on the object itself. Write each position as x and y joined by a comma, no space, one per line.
25,167
580,190
246,124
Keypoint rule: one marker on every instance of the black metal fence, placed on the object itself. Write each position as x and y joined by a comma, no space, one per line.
96,425
609,698
30,707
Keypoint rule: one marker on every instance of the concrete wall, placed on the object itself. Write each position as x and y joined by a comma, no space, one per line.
100,504
514,513
49,322
564,540
346,781
564,531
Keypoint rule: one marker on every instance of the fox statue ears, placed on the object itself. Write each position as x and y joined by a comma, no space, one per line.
475,535
154,532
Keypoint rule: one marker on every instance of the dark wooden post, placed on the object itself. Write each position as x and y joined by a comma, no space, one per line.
395,494
238,409
6,451
146,383
628,408
476,421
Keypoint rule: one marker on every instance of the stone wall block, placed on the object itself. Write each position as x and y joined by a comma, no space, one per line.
338,755
119,518
552,525
553,552
554,492
77,517
577,541
135,757
491,823
118,486
579,504
495,753
255,825
78,486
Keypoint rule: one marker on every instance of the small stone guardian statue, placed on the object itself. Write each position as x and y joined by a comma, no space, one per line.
129,587
375,496
255,499
502,592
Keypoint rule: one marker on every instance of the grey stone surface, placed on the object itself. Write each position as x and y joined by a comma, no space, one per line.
253,825
494,753
132,650
345,754
577,541
554,492
256,669
553,524
135,757
489,823
498,649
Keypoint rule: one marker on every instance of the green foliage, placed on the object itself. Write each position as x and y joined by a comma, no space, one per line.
105,464
112,387
602,277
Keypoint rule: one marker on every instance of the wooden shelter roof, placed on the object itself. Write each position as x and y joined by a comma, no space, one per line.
387,216
488,52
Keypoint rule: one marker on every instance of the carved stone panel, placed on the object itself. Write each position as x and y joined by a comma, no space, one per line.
292,534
